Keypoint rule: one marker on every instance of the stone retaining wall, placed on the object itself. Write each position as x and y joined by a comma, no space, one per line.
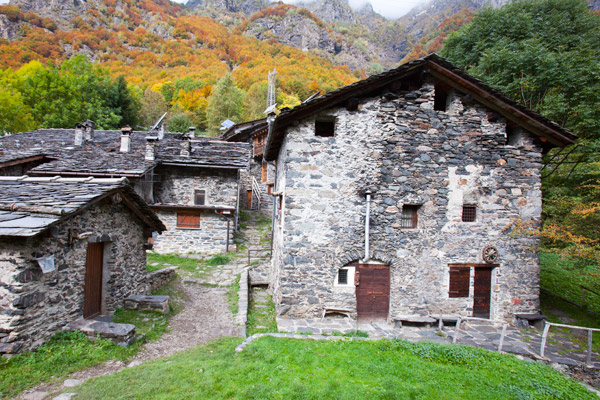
158,279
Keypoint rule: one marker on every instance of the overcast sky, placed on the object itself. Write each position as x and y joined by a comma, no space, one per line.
388,8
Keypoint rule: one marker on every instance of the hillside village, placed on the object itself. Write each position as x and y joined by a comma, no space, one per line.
404,208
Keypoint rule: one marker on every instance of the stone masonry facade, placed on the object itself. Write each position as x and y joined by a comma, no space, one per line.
408,154
177,187
35,305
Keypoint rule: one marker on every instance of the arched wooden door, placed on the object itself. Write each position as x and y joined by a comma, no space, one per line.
372,292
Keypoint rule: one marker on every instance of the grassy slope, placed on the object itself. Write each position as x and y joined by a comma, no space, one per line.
295,369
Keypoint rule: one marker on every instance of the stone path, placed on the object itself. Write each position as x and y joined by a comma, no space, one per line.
559,349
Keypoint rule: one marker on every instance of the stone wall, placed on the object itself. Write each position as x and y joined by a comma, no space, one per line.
209,238
159,278
35,305
177,185
407,153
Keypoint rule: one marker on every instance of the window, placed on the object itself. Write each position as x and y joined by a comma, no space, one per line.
469,213
325,127
345,277
459,281
200,197
188,220
409,217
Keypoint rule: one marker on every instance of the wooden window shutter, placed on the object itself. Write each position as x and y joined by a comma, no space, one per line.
460,281
188,220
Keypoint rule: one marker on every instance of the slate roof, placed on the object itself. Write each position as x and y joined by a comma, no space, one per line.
102,157
438,67
242,132
31,205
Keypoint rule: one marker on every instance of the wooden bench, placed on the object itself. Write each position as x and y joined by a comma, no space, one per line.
336,310
524,321
414,319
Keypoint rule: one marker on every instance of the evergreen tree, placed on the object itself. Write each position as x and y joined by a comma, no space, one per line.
226,102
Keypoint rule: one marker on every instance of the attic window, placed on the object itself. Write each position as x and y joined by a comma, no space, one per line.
469,213
409,217
440,101
200,197
514,135
325,127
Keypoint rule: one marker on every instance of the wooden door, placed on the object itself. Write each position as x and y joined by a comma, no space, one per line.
92,304
482,292
372,292
249,199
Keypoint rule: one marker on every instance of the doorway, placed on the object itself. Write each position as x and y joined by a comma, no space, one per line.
92,304
482,292
372,292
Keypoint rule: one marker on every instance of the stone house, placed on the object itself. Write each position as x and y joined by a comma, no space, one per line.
257,183
410,194
192,183
69,248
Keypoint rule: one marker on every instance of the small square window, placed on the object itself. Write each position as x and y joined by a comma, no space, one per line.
325,127
200,197
343,277
469,213
409,218
188,220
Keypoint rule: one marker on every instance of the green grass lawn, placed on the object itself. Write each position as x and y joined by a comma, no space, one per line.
261,316
271,368
73,351
194,267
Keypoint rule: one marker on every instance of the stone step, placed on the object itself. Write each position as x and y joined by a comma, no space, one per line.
147,303
121,334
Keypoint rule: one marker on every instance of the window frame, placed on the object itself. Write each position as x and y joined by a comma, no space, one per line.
414,218
181,215
350,272
196,193
469,213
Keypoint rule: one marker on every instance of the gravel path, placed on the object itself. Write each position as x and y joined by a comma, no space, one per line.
206,317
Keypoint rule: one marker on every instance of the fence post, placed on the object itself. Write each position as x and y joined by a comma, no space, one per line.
589,349
456,330
502,338
248,257
544,337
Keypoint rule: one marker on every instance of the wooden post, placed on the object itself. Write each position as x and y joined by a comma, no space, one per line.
248,257
502,338
227,240
589,349
544,337
456,330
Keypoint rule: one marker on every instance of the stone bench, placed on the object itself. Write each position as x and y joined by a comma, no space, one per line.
147,303
414,319
121,334
524,321
446,319
336,310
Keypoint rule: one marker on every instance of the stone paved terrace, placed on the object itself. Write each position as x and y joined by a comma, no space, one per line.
559,348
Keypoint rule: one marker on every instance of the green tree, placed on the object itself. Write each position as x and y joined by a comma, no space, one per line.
225,102
153,106
15,116
179,122
125,103
543,53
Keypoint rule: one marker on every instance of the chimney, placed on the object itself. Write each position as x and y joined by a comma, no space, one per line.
125,139
192,132
150,148
79,134
186,145
161,131
89,130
